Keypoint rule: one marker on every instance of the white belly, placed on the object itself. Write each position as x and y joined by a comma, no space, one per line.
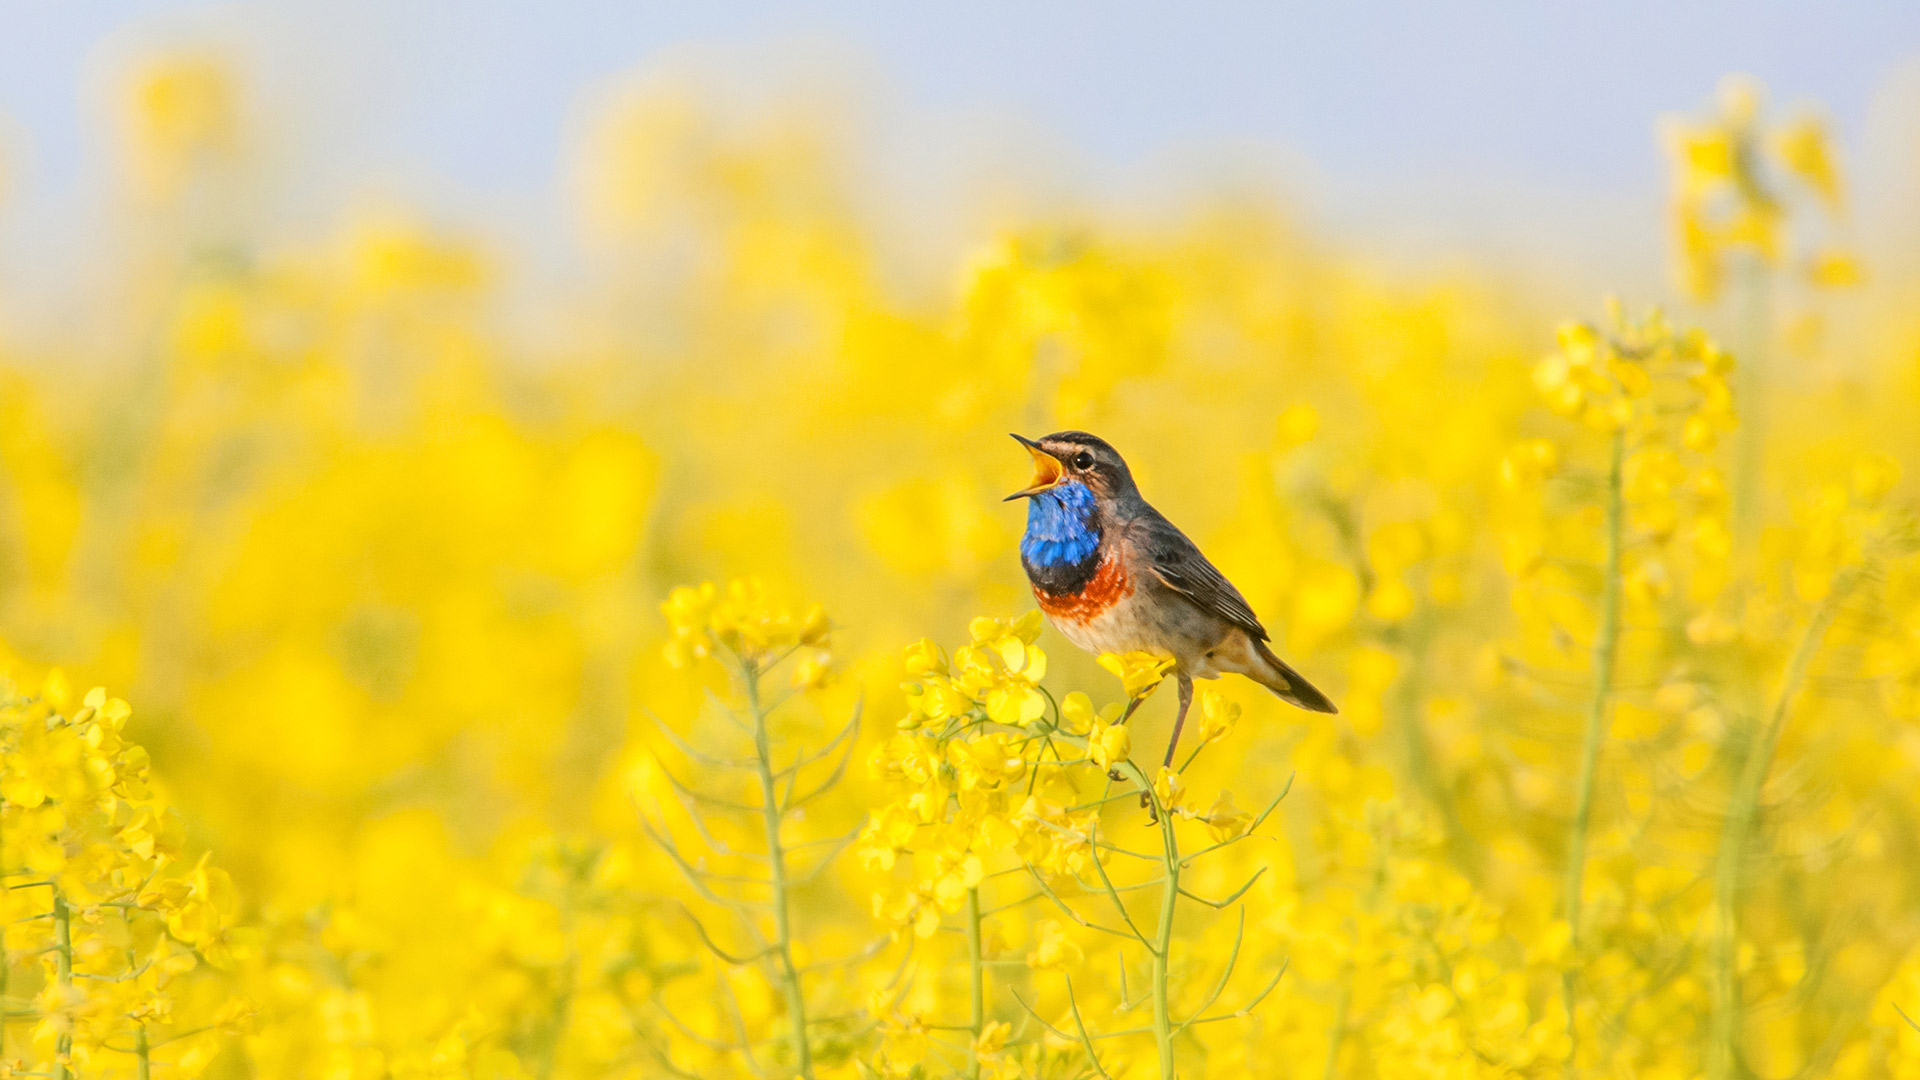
1131,625
1121,628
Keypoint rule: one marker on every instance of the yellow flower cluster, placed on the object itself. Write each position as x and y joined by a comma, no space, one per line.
1737,177
1658,399
739,620
119,952
1001,669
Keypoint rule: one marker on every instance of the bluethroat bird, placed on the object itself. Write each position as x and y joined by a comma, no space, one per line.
1115,576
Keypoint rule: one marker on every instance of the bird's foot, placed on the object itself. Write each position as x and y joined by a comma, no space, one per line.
1153,812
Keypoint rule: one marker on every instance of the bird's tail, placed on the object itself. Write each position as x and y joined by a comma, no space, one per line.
1288,683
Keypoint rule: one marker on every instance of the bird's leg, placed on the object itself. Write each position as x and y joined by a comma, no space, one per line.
1115,774
1186,700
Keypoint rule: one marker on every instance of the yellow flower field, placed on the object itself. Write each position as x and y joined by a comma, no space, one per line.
650,688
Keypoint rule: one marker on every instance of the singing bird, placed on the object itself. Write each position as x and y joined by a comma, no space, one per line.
1115,576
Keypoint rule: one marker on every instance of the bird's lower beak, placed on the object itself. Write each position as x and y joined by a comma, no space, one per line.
1046,471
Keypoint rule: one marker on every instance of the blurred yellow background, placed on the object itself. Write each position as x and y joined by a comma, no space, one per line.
1619,606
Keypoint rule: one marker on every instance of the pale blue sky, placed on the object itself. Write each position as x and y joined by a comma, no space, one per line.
1416,117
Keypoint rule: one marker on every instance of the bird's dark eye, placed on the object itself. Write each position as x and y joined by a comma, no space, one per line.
1083,460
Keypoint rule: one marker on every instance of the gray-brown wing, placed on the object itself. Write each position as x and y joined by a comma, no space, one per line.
1177,562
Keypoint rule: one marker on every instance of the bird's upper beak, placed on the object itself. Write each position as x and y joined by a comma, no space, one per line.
1046,470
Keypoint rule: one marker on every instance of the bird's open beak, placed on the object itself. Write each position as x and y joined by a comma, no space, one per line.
1046,471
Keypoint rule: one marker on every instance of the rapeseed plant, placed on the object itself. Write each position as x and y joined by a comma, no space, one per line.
1004,787
1763,199
738,627
120,953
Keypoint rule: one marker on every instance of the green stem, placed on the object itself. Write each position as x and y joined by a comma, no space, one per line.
1605,648
1163,941
1743,819
142,1059
63,976
977,971
777,861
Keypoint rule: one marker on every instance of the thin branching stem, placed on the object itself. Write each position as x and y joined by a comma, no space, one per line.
714,801
687,750
1742,821
833,777
976,983
714,947
1226,973
777,868
1162,945
63,976
1067,909
1236,894
693,875
839,844
1037,1018
1086,1041
1119,904
1605,649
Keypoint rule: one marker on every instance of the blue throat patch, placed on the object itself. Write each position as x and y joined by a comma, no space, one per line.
1061,527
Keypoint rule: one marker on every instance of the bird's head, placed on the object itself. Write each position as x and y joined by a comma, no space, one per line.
1075,457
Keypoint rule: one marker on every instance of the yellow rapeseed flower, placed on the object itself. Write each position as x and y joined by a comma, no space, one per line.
1217,715
1225,820
1139,672
1053,950
1169,789
1109,744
